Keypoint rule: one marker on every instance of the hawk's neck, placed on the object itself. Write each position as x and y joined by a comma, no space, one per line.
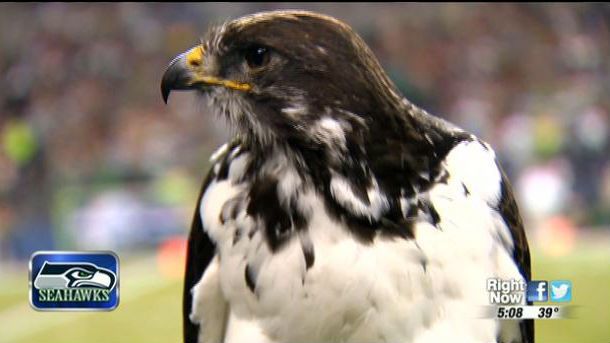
363,177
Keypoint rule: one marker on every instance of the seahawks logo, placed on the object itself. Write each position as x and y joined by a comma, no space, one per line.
60,275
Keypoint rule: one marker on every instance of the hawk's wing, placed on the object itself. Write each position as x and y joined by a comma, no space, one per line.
507,207
204,308
200,252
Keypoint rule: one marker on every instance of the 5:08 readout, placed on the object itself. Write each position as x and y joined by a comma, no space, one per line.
510,312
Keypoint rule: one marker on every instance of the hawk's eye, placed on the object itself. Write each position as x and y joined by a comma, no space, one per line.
257,56
81,274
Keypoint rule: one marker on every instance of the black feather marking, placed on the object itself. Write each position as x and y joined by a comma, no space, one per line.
308,251
412,211
252,232
224,161
482,144
466,191
431,215
231,209
299,222
396,228
240,206
236,235
435,216
223,171
265,206
250,277
309,257
359,188
423,258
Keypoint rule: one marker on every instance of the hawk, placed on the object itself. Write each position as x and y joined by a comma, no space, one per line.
339,211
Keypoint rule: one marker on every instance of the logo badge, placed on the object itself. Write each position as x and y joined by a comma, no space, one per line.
537,291
561,291
71,280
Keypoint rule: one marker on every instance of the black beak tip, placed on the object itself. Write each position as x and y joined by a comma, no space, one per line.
165,91
170,80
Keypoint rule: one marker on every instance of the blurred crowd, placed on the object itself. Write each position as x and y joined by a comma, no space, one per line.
90,157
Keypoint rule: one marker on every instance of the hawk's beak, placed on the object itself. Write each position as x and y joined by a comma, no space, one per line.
99,279
187,71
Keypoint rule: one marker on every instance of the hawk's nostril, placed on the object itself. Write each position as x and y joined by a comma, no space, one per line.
194,56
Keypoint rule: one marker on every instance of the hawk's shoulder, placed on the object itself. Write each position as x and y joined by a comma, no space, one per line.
475,166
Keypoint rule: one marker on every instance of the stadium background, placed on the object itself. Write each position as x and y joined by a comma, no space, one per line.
91,158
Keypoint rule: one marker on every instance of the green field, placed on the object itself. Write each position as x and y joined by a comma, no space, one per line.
149,310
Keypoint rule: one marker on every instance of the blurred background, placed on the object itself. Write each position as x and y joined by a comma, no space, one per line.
91,158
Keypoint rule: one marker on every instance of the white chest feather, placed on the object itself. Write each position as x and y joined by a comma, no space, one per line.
426,289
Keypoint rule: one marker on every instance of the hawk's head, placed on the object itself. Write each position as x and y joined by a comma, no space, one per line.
290,76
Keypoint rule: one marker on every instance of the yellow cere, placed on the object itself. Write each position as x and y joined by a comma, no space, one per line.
194,57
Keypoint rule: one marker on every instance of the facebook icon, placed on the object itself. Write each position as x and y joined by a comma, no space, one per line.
537,291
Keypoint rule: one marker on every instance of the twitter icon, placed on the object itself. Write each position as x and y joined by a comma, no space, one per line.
561,291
